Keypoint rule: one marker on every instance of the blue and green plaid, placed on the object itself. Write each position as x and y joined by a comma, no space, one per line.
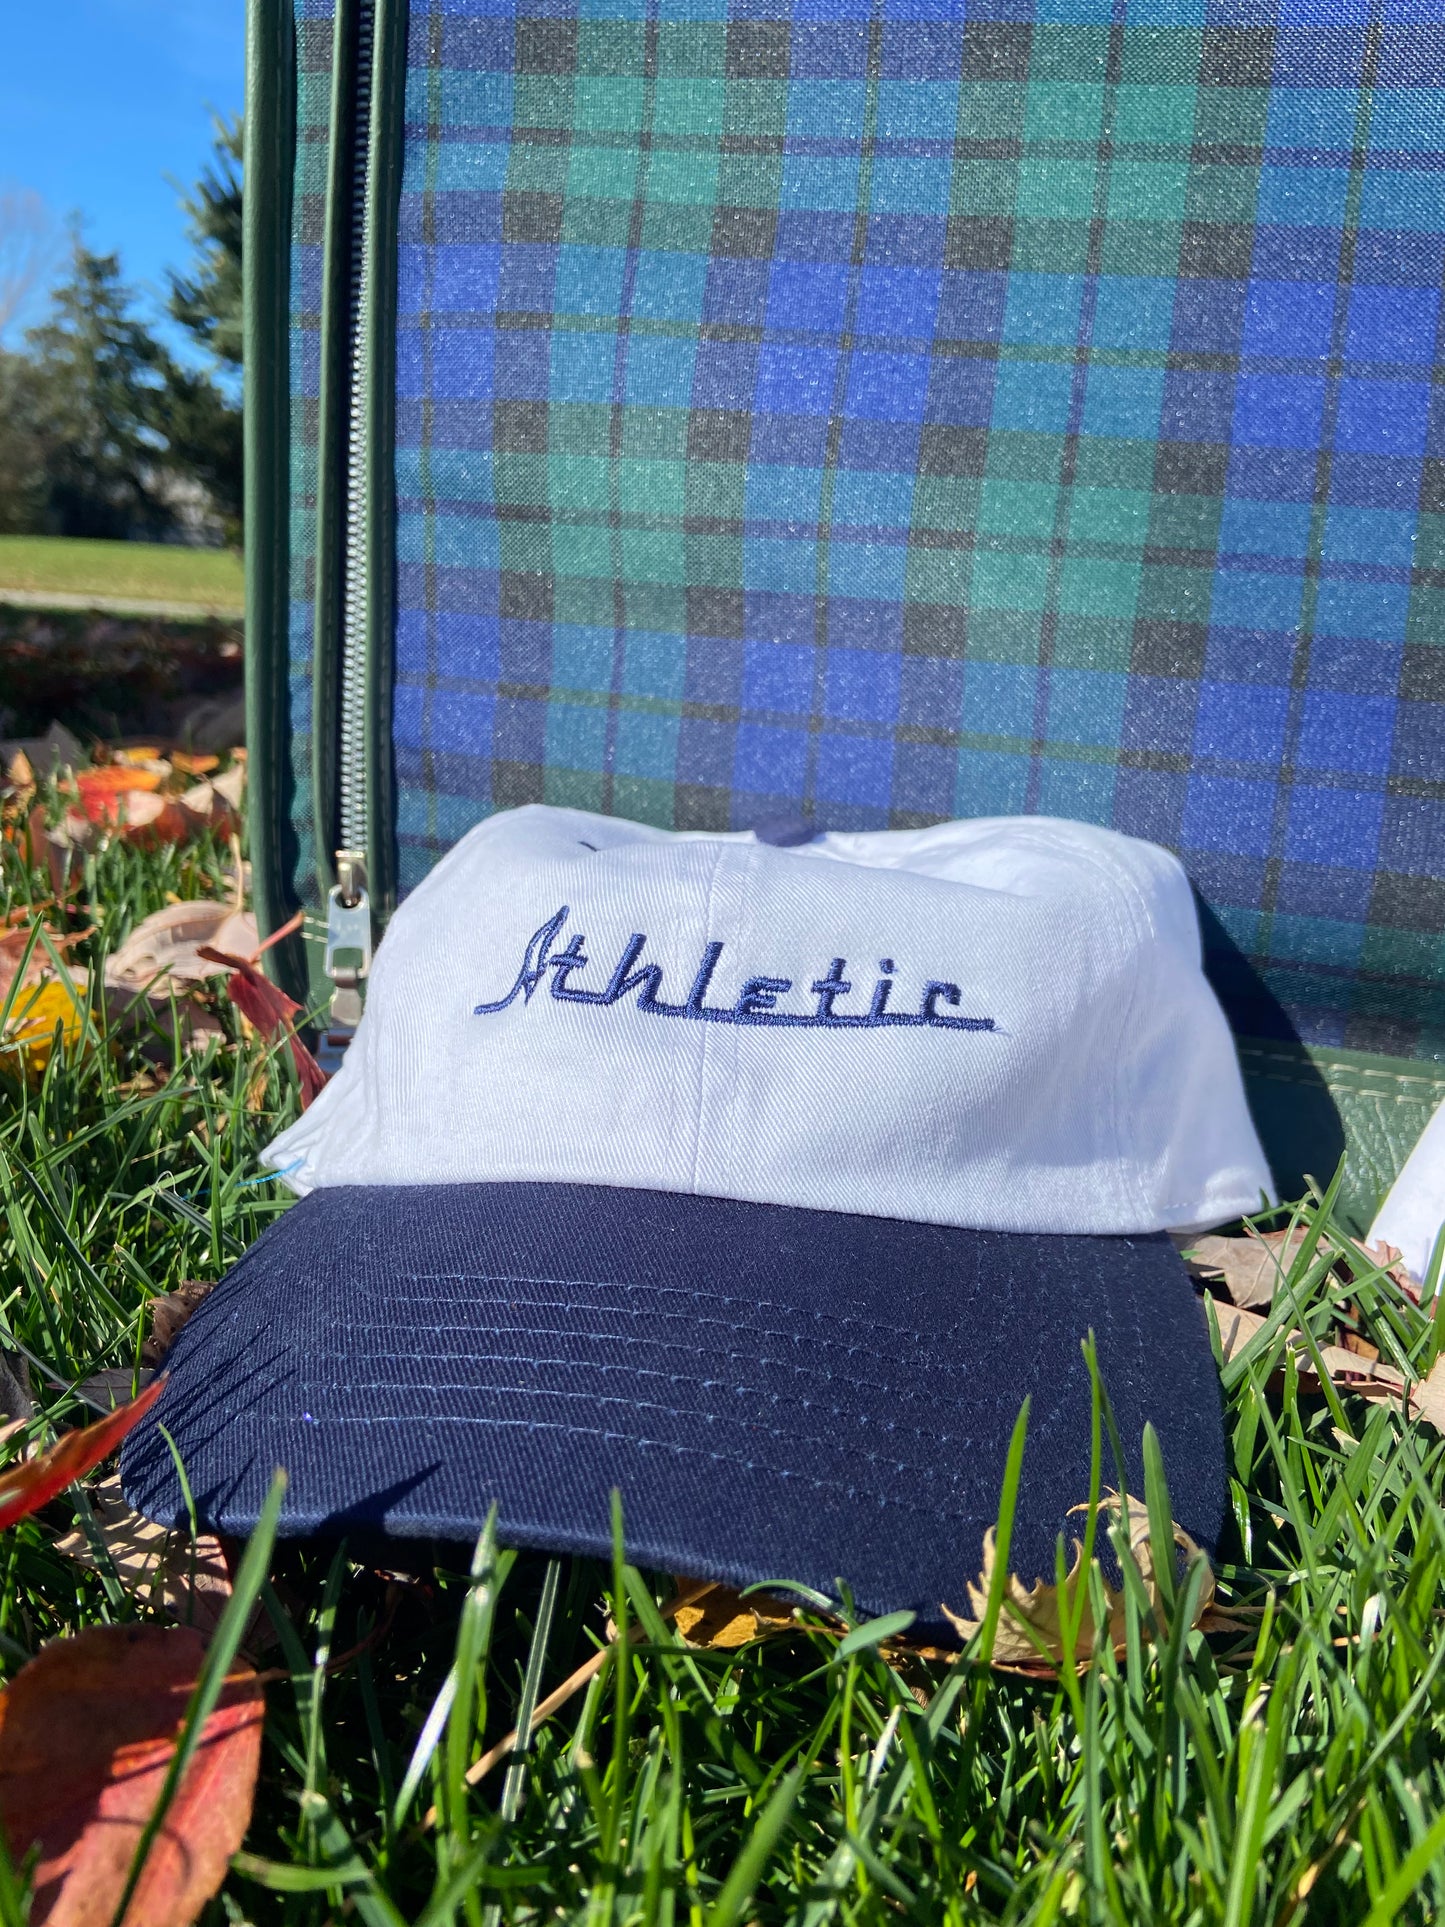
890,410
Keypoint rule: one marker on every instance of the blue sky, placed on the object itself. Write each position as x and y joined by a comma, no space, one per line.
101,101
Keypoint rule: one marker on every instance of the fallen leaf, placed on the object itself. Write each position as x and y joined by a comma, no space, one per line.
57,846
723,1620
87,1732
215,804
102,791
26,1487
36,1015
167,944
160,1566
1360,1347
230,785
169,1312
14,944
1348,1370
1032,1616
108,1390
142,756
1249,1268
148,819
272,1012
1389,1259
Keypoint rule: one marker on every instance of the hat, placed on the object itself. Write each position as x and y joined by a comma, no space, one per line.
761,1184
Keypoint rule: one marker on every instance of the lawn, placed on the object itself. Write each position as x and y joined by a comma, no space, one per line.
208,580
1289,1767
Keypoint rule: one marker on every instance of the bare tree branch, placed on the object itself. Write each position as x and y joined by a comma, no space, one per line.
29,249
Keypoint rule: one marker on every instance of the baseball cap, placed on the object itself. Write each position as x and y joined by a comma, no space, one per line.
759,1183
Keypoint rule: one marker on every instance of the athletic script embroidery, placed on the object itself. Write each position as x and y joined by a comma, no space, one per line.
757,1002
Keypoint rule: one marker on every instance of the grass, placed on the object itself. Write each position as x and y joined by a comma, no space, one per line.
1293,1770
208,580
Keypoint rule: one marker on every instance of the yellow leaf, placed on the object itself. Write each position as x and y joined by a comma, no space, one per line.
722,1620
34,1016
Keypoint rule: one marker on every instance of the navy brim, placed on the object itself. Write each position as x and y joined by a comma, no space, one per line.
776,1393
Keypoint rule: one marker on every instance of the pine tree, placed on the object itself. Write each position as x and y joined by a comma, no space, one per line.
22,447
203,420
100,376
208,302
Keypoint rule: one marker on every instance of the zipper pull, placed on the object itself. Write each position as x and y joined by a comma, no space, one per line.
348,944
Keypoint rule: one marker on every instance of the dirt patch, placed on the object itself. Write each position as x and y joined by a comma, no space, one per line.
112,677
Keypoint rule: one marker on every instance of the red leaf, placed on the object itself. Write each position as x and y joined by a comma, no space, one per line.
271,1011
35,1482
87,1732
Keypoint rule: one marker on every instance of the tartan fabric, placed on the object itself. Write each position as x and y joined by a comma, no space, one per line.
314,34
889,410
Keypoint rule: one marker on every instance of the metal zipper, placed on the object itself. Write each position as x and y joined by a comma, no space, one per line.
348,920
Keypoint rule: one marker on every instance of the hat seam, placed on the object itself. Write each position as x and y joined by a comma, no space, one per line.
702,1081
1145,950
745,946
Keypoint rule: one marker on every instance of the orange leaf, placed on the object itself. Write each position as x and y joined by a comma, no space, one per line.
100,790
35,1482
87,1732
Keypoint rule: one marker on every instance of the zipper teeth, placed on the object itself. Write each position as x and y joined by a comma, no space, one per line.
351,769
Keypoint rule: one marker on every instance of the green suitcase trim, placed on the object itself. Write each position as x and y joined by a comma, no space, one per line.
1311,1105
270,153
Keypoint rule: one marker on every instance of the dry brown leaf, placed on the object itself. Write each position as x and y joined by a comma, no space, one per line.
1360,1347
1349,1371
1390,1260
104,1391
1249,1268
13,945
149,819
154,1564
87,1732
169,1312
59,846
214,804
1032,1616
230,785
167,944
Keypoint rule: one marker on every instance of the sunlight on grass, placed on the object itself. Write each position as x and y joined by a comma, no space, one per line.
142,571
1288,1769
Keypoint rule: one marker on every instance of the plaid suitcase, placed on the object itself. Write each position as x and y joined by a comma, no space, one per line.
874,411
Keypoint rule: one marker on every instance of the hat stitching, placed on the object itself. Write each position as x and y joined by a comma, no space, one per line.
676,1447
756,1003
